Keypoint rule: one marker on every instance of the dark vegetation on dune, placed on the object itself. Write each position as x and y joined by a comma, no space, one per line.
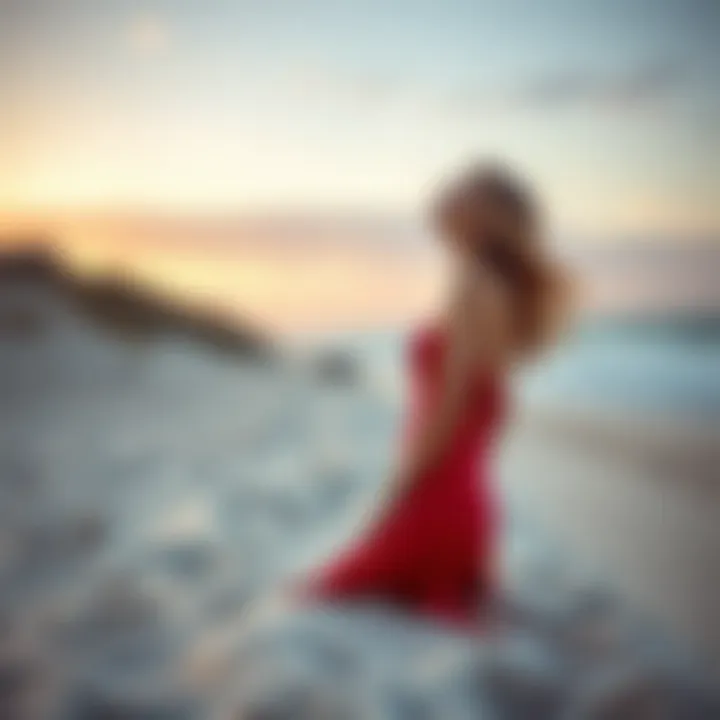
120,304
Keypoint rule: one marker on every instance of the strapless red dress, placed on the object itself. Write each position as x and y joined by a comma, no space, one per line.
433,551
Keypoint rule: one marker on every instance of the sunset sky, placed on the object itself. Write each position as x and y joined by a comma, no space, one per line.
326,106
613,106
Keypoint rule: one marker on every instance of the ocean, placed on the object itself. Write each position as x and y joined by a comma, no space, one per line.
658,365
667,366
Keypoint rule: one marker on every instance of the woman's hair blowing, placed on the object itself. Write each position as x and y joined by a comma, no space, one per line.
498,216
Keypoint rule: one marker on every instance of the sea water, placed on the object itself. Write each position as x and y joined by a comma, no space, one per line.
667,365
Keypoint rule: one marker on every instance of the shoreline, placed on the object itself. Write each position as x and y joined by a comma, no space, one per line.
634,433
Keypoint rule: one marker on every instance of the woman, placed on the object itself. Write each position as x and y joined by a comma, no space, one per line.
432,546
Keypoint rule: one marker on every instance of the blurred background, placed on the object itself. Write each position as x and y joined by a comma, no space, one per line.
212,245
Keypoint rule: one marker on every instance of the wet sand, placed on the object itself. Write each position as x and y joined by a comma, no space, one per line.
635,498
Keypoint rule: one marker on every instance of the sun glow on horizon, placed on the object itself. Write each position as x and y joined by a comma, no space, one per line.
180,113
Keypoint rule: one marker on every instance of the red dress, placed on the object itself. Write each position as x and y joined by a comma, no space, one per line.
433,551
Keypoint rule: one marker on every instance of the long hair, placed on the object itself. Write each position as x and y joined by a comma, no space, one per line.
498,216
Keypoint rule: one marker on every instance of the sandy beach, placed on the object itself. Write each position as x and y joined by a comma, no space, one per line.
156,488
633,497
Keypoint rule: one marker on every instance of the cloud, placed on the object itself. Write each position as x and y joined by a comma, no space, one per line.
639,86
634,88
148,35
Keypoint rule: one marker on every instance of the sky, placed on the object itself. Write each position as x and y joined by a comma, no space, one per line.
137,122
612,107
